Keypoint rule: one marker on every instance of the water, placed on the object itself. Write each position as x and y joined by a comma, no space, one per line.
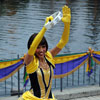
20,18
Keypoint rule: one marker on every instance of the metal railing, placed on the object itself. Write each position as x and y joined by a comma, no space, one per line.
14,85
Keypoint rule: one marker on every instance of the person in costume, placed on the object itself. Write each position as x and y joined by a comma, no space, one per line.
40,62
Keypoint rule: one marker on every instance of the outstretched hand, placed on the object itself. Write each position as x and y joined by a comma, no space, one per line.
66,14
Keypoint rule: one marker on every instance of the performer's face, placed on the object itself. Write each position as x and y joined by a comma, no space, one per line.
40,51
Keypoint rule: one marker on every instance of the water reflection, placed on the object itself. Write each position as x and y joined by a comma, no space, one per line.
20,18
93,20
85,24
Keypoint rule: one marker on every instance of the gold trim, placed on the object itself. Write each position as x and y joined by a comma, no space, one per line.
98,62
3,79
8,63
46,76
67,58
63,75
97,52
49,88
87,67
28,96
40,80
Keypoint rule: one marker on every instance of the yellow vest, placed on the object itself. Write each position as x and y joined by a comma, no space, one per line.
32,67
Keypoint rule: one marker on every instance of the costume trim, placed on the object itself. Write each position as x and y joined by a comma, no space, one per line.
40,80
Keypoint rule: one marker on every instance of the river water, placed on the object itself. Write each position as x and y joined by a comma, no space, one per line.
20,18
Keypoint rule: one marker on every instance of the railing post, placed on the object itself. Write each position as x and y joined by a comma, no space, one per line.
95,73
5,86
67,76
99,76
84,74
11,83
61,79
55,79
73,77
78,76
18,81
61,84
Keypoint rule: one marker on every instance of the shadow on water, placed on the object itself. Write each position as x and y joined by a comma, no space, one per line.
10,7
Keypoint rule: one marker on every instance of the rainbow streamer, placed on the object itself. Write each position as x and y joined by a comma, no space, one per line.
26,77
90,65
8,68
65,64
66,68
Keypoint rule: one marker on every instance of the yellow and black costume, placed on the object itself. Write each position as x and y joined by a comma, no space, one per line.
40,78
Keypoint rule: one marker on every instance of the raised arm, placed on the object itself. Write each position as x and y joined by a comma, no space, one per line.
29,56
66,19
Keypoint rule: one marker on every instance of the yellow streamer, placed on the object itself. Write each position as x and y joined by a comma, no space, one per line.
8,63
63,59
